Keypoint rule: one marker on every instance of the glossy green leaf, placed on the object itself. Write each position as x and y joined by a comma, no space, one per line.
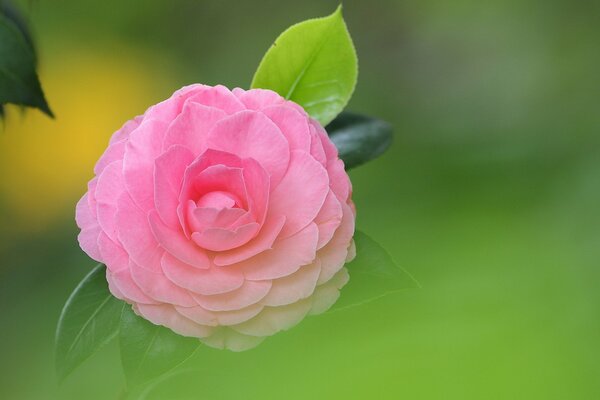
373,274
359,138
19,83
314,64
89,319
149,351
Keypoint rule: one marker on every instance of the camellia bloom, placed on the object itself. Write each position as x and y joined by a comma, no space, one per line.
222,215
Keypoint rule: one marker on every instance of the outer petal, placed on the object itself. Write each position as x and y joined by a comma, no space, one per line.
135,235
285,258
248,294
88,237
295,287
301,193
327,294
166,315
218,97
109,188
274,319
333,255
213,280
328,219
156,286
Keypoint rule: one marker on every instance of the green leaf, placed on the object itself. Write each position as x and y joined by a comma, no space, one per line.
148,351
19,83
359,138
373,274
314,64
89,319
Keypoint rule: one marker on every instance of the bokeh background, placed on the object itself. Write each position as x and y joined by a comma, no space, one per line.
489,196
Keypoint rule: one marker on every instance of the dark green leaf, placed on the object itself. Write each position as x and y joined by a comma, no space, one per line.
19,83
373,274
359,138
314,64
89,319
149,351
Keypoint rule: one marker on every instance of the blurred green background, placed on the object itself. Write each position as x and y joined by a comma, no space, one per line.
489,196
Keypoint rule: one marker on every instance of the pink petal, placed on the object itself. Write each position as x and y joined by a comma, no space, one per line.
331,151
177,244
109,188
285,258
263,241
248,294
234,317
166,315
250,134
159,288
257,99
169,169
199,315
219,239
292,124
88,237
328,219
293,288
219,178
143,147
169,109
114,152
301,193
316,147
191,127
218,97
125,130
211,281
114,256
135,235
123,282
274,319
339,181
327,294
213,217
256,182
333,255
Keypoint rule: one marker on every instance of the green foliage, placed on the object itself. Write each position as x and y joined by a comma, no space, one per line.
149,351
373,274
359,138
89,319
19,83
314,64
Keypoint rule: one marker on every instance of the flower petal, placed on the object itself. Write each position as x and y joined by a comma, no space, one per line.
211,281
301,193
285,258
250,134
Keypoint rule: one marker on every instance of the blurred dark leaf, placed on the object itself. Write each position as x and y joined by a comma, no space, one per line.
148,351
359,138
312,63
373,274
19,83
89,319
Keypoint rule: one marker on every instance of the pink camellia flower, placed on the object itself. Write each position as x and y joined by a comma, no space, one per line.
222,215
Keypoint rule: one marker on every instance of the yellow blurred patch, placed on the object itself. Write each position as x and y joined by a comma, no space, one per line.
45,164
